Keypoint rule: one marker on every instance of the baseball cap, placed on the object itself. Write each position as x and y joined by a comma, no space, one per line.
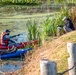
7,30
64,18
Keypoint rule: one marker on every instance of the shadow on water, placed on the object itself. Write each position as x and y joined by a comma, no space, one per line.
11,65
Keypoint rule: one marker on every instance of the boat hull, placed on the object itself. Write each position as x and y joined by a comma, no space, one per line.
20,45
18,53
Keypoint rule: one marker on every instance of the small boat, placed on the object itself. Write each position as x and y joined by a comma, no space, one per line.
19,45
17,53
13,49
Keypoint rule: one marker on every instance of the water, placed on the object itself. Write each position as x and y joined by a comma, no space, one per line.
16,21
23,37
10,65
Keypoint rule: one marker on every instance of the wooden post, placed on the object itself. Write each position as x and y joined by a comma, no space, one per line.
71,47
47,67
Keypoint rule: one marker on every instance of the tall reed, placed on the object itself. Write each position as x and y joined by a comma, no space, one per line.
64,1
49,27
20,2
63,12
33,30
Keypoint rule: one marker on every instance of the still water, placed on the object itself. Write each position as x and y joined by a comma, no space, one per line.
10,65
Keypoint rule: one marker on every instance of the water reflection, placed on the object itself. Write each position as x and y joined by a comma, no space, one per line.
10,65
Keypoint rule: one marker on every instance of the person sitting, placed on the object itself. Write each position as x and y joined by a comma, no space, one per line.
6,39
68,26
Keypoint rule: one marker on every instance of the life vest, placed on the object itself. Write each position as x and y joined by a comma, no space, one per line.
2,41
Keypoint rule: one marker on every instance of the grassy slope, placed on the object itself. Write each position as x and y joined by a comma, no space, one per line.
55,50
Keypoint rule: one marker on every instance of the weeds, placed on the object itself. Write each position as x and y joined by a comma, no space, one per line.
20,2
33,30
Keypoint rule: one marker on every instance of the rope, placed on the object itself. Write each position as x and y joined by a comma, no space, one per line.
67,70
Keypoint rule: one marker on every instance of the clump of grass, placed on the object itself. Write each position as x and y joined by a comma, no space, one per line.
64,1
33,30
20,2
49,27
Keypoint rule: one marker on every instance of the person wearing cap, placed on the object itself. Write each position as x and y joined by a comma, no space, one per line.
6,39
68,26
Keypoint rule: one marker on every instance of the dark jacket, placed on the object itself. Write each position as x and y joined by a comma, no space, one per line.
69,24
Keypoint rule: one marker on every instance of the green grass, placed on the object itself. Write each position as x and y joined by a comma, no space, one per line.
18,2
33,30
64,1
25,16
